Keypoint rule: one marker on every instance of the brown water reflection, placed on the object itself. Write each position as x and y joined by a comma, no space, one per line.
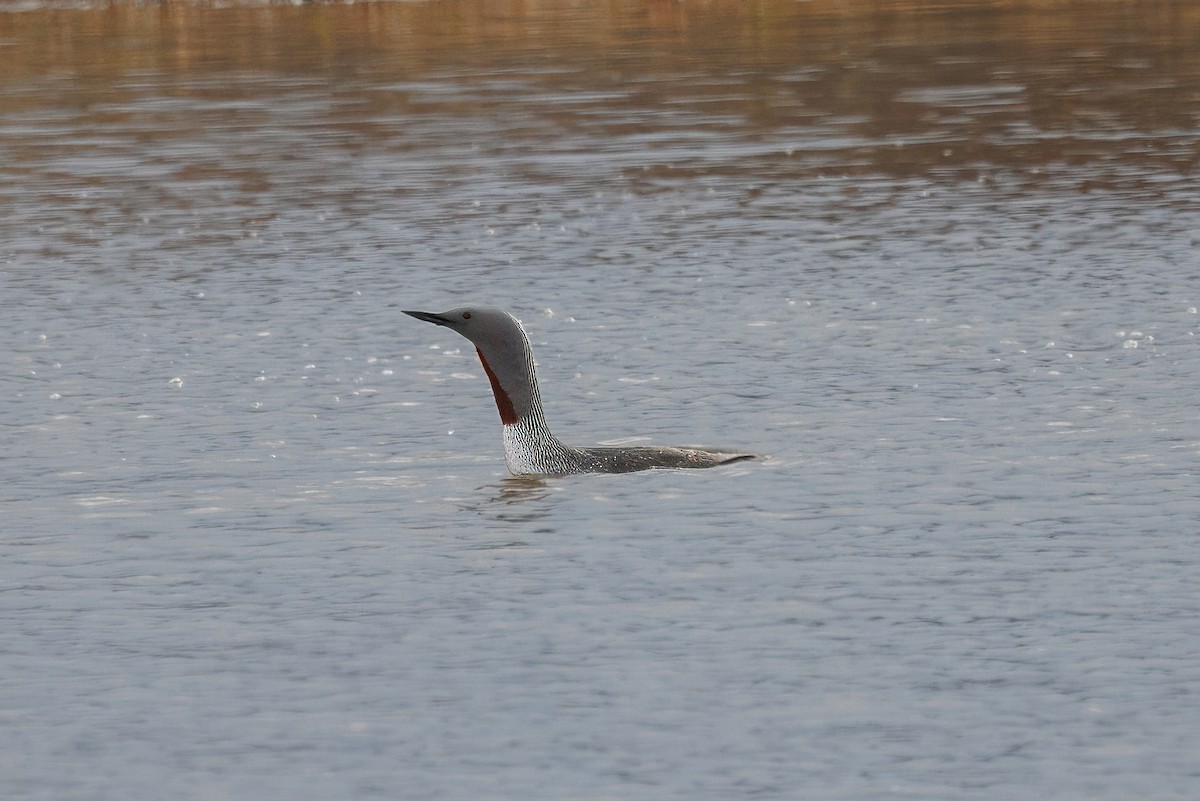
921,88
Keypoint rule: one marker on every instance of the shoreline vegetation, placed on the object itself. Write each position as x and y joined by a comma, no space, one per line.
41,36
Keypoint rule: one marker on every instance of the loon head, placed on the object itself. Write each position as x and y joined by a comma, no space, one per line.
504,351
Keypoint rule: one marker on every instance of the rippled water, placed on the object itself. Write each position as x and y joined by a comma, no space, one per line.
941,267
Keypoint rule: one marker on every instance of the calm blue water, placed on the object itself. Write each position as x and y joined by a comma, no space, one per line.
258,541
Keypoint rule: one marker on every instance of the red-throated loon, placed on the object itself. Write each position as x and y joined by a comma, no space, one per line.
529,447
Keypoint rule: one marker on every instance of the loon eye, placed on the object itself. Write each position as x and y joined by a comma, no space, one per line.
466,315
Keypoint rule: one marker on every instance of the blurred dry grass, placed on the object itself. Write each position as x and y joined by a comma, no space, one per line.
113,37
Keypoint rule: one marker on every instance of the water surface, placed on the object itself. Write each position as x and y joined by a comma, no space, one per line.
939,264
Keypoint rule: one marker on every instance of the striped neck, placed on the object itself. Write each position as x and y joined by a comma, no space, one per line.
530,449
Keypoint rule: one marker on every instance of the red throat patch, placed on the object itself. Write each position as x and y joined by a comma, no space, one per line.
508,415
